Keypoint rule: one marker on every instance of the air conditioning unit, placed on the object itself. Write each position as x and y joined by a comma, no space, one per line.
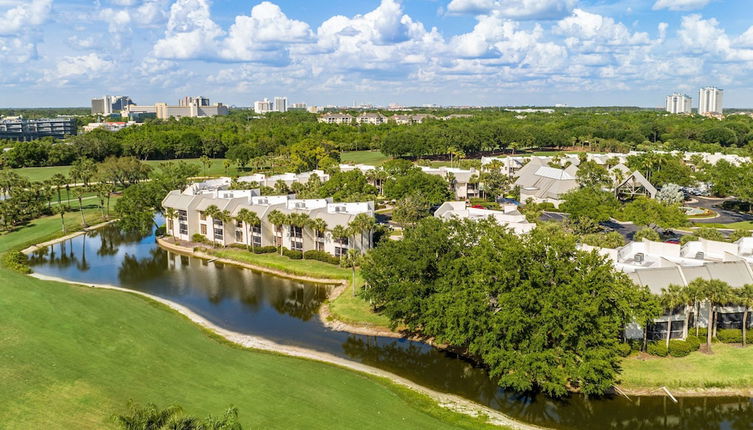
639,257
699,255
339,209
300,205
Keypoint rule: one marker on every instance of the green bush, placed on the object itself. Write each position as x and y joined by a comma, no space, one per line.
604,240
688,238
729,335
636,345
264,249
646,233
679,348
293,255
657,348
321,256
624,349
16,261
198,238
701,333
694,342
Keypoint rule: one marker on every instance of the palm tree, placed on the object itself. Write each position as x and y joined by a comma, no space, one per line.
214,213
352,259
251,219
319,226
58,180
171,214
363,223
79,193
278,219
300,220
693,296
715,292
745,298
61,209
103,190
340,232
671,297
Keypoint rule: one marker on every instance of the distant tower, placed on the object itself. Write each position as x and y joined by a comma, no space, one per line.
281,104
710,100
679,103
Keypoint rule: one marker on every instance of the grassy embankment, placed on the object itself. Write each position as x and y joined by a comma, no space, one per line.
374,158
728,367
741,225
345,308
72,356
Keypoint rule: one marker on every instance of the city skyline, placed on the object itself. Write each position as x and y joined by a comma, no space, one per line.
444,52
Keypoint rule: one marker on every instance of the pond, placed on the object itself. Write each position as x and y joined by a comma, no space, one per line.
286,311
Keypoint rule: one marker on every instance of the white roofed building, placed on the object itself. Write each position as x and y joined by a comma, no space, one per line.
508,216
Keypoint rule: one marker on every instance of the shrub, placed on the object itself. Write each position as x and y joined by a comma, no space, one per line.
688,238
16,261
679,348
729,335
657,348
710,234
646,233
239,246
265,249
701,334
160,231
604,240
694,342
293,255
321,256
199,238
624,349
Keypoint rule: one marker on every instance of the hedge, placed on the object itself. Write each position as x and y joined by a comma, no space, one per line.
293,255
694,342
321,256
264,249
729,335
16,261
624,349
679,348
198,238
657,348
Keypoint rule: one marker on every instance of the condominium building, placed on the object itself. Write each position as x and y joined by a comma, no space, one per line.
464,182
289,179
109,126
679,103
109,105
336,118
188,101
21,129
191,205
371,118
710,100
509,215
195,109
281,104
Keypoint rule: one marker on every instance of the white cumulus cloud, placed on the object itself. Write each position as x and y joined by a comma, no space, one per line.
516,9
27,14
680,4
87,66
190,33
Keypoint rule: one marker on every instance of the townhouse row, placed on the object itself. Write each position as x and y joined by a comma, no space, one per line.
192,217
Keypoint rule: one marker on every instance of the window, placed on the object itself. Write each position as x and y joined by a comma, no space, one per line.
257,240
182,216
256,229
342,241
204,229
239,224
218,222
297,246
184,229
170,224
320,235
339,252
320,246
296,232
202,216
238,236
218,234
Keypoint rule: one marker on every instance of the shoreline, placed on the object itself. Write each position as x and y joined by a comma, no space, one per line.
329,321
449,401
28,250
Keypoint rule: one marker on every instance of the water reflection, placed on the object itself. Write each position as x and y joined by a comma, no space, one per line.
286,311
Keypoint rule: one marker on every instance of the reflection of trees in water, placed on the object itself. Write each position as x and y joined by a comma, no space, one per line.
433,368
59,255
297,300
133,269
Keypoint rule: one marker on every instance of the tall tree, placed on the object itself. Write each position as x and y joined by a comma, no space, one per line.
278,219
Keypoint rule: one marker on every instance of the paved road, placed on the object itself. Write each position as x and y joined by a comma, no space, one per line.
725,216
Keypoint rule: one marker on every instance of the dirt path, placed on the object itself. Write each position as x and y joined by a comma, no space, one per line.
449,401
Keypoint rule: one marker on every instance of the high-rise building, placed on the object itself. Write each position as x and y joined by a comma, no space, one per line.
263,106
31,129
710,100
199,101
281,104
108,105
679,103
298,106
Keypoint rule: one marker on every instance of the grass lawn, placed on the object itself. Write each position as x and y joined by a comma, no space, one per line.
345,308
742,225
216,169
374,158
71,356
729,367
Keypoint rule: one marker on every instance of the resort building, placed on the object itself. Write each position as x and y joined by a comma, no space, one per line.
192,218
336,118
371,118
541,183
658,265
464,183
289,179
508,216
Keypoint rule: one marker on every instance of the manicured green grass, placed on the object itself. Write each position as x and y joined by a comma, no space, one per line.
71,356
729,367
346,308
216,169
742,225
374,158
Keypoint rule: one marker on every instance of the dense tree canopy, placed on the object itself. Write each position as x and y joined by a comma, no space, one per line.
539,313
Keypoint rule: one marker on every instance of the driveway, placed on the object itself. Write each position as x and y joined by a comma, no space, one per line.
725,216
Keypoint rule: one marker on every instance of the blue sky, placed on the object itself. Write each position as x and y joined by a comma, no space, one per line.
451,52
